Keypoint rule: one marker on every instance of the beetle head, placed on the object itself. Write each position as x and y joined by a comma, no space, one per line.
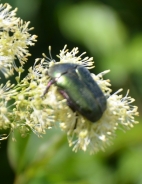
59,69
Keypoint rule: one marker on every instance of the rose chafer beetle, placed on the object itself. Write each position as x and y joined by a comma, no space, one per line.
76,84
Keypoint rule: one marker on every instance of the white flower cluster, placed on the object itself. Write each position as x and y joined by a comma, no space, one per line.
119,113
23,106
14,40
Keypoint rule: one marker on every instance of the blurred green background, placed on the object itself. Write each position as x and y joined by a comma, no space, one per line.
111,32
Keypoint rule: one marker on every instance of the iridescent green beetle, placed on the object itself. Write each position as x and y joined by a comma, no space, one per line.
76,84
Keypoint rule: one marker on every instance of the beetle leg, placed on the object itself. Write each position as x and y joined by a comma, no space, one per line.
48,86
69,102
76,121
